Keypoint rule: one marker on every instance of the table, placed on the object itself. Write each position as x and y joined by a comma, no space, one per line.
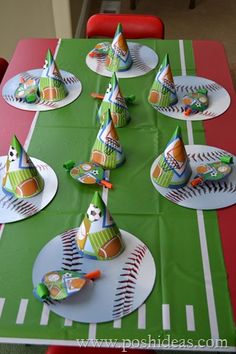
194,298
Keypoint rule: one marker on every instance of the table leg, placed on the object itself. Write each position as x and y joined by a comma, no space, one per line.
191,4
133,4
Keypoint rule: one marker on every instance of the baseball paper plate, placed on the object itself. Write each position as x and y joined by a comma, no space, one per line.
144,60
219,99
125,283
14,209
210,194
73,86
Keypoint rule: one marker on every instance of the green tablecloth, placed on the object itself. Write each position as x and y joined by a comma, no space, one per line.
170,231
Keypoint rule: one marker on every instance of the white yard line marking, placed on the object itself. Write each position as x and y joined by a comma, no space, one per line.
45,315
184,72
104,189
190,318
2,302
142,317
166,317
31,130
202,233
182,57
190,132
22,311
92,331
68,323
117,323
120,344
1,230
207,276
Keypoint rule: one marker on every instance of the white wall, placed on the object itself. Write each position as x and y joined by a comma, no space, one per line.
24,19
37,19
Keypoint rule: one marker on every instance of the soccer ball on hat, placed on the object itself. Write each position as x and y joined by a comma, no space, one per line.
93,213
12,155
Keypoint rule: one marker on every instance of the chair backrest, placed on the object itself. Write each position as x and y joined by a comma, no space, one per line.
134,26
3,67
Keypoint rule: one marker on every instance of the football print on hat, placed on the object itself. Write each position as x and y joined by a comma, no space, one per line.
98,236
21,178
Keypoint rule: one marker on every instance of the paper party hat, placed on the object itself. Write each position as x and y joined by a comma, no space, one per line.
107,150
114,100
163,93
118,56
98,236
51,84
22,178
173,169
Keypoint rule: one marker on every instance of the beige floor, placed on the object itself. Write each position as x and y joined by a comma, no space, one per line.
210,19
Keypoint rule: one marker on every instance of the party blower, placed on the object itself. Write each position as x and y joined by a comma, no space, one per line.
59,284
215,171
87,173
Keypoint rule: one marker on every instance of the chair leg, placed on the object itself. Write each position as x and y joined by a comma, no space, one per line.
191,4
133,4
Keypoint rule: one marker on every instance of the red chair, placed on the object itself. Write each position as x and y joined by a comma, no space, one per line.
54,349
134,26
3,67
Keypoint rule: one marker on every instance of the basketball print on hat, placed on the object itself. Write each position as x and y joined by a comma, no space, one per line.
107,150
51,85
98,236
118,56
21,179
173,169
114,100
163,93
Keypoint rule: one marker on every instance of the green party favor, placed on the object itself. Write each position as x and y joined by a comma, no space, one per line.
21,178
98,236
114,101
163,93
107,150
118,57
51,85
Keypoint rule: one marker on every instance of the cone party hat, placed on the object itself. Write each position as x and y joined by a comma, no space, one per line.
98,236
51,84
114,100
163,93
22,178
107,150
173,169
118,56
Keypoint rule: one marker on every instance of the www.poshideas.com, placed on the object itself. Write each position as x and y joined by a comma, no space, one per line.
153,343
